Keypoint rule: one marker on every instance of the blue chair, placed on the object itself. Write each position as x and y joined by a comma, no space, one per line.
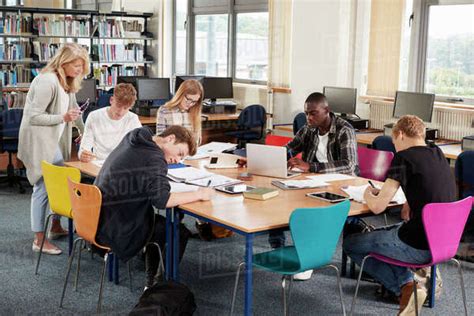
383,143
10,121
464,173
299,122
251,118
315,232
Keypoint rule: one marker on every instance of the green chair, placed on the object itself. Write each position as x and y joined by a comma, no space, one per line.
315,233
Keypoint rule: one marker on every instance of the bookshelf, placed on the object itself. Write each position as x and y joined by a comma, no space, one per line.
29,37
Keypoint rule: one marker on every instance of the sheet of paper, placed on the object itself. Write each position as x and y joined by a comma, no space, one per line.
215,181
328,177
98,163
182,187
213,147
187,174
304,183
357,194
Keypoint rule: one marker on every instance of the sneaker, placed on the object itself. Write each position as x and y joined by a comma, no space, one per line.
204,230
49,251
407,299
303,276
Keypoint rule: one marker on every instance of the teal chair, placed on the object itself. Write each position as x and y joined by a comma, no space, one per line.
315,232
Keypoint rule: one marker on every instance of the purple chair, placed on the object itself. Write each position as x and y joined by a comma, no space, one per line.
444,224
374,164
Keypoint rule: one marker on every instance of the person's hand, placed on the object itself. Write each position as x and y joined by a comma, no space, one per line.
86,156
242,162
298,163
72,115
205,194
405,212
372,191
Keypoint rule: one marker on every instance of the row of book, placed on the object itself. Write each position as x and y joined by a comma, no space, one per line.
107,75
15,51
62,26
131,52
45,51
15,24
14,99
18,74
119,28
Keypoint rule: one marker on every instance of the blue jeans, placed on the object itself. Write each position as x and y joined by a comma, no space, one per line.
385,241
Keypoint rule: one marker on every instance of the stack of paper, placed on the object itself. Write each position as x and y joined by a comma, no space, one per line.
214,181
213,147
357,194
181,187
303,184
328,177
199,177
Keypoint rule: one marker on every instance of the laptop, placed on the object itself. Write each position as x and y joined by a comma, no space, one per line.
270,161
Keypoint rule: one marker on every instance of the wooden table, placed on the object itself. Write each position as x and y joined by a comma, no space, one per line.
451,151
151,120
243,216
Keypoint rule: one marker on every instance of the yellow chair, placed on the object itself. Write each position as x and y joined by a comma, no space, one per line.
55,180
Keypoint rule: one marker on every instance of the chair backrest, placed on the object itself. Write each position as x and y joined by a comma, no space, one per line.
315,232
252,116
383,143
55,180
276,140
444,224
464,172
374,164
86,201
298,122
10,120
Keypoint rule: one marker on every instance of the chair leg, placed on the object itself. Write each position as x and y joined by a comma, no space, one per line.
76,281
385,218
102,277
286,296
130,275
45,233
71,258
161,264
357,285
235,287
339,284
461,280
416,298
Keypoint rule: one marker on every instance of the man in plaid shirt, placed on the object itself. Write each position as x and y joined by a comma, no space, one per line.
328,142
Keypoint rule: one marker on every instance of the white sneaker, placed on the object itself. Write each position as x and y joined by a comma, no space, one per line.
303,276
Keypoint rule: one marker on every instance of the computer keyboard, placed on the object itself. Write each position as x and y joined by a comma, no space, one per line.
223,102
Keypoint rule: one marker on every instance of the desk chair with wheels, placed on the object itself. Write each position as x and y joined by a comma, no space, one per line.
464,173
10,121
298,122
384,143
251,124
315,233
444,224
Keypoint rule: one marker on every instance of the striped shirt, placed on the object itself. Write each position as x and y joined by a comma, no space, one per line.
166,117
341,148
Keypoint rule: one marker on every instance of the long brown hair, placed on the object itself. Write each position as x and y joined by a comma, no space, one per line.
190,86
68,53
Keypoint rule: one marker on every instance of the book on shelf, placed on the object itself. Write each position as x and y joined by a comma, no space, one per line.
18,75
261,193
131,52
15,24
107,75
15,50
119,28
62,26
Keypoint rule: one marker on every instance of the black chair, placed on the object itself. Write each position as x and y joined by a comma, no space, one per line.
10,121
464,173
299,122
383,143
251,124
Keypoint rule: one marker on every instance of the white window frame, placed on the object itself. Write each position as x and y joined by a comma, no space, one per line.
419,46
230,8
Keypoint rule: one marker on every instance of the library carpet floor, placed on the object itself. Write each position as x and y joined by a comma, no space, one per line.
208,269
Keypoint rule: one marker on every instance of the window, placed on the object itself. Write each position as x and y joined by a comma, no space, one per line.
251,59
223,37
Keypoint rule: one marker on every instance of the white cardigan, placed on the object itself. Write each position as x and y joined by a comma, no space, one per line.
41,127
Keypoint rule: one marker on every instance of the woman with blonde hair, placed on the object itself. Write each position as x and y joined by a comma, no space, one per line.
183,109
46,130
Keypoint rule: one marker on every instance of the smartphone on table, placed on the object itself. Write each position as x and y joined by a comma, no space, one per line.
328,197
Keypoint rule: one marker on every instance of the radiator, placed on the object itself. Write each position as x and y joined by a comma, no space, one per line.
452,123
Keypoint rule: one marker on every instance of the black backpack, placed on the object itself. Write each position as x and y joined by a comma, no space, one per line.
167,298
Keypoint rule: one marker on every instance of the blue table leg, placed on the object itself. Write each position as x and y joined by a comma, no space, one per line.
248,273
175,245
116,270
433,286
70,227
110,267
168,245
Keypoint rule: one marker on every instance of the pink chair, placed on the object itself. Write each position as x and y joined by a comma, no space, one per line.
444,224
374,164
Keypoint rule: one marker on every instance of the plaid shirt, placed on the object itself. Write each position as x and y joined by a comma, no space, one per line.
342,148
166,117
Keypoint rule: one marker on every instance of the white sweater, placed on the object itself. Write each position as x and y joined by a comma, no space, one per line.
102,134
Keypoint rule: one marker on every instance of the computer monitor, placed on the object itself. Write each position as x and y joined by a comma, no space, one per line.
149,89
130,79
88,91
217,88
180,79
419,104
341,100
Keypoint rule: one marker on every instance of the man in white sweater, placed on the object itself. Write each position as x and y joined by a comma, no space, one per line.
106,127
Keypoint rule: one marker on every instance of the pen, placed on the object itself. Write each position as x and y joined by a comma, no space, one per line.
208,183
372,185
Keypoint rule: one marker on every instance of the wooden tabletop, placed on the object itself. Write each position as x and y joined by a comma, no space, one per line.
252,215
151,120
451,151
366,138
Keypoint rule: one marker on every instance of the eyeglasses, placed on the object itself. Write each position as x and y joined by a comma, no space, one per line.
190,101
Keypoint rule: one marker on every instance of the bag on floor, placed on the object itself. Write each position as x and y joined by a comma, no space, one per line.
167,298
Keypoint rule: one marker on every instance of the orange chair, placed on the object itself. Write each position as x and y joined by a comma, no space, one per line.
86,201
